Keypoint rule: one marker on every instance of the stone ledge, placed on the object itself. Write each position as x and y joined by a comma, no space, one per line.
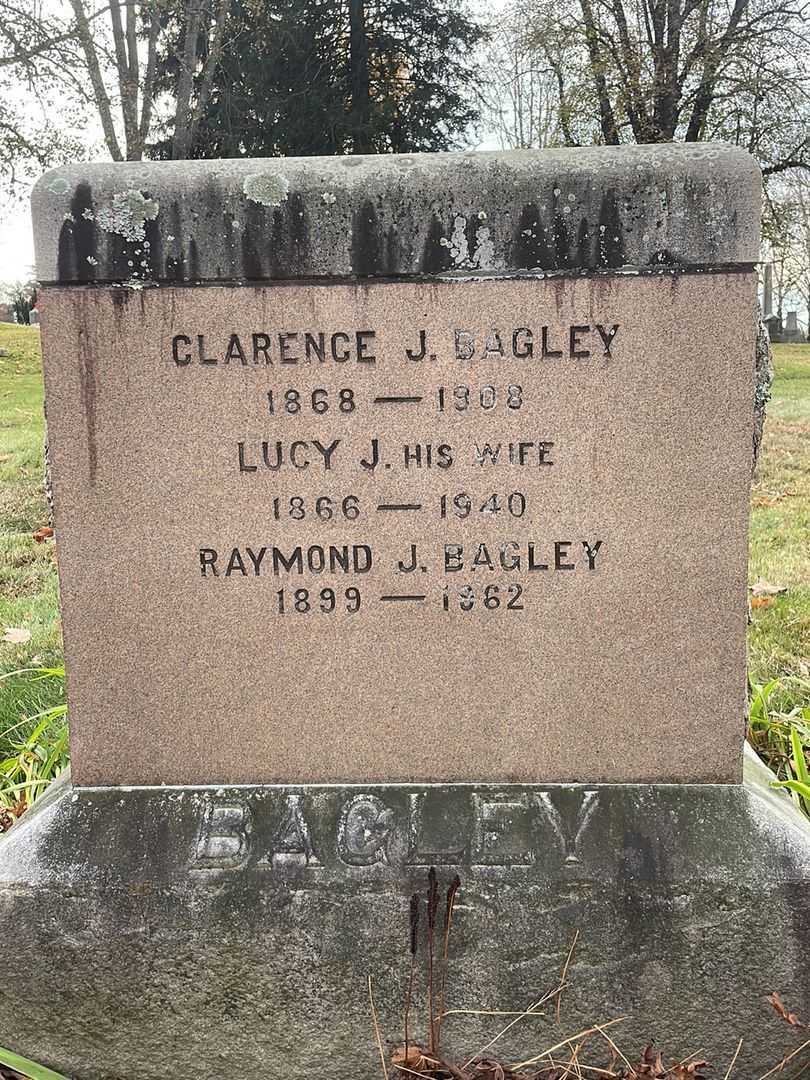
191,931
644,208
272,834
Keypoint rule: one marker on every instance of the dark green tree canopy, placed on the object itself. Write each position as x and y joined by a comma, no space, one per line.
303,77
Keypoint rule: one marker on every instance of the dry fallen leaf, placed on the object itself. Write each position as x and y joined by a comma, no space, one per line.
16,635
772,498
653,1059
761,601
692,1071
652,1066
781,1008
765,588
488,1070
45,533
415,1059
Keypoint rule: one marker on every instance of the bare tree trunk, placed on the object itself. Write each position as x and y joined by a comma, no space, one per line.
360,81
564,113
209,70
127,86
101,99
148,92
610,132
631,57
182,117
187,115
667,88
714,58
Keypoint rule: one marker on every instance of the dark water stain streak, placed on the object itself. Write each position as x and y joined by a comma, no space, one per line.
88,380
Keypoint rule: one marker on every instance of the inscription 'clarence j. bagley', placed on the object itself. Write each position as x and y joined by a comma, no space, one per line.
293,347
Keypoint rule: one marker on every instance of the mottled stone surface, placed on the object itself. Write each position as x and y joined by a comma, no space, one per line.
763,377
643,207
204,932
579,614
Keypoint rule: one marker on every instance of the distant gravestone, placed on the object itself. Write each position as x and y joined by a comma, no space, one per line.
402,510
767,291
792,331
774,326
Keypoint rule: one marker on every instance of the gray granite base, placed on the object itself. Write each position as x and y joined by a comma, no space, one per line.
196,933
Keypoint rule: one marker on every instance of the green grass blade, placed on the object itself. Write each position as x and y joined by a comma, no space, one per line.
799,763
52,770
49,673
38,731
21,723
794,785
28,1068
798,788
27,785
38,672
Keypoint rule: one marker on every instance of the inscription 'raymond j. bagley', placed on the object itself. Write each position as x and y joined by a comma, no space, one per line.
516,554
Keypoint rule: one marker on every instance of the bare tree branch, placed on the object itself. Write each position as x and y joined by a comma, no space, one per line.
101,98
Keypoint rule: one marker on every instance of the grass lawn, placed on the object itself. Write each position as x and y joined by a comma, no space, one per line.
780,538
29,597
780,530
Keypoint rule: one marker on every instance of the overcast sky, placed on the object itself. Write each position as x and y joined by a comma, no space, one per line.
16,247
16,238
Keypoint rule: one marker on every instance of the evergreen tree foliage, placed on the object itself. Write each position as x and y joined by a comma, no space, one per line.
303,77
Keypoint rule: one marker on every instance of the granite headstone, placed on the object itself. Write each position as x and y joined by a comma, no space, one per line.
401,511
393,506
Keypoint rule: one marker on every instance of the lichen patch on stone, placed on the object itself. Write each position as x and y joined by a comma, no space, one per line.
267,188
459,250
484,255
58,186
128,214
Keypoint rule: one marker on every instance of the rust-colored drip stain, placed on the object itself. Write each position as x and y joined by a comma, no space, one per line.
85,353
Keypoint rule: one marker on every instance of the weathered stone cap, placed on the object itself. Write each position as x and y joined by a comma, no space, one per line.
576,210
